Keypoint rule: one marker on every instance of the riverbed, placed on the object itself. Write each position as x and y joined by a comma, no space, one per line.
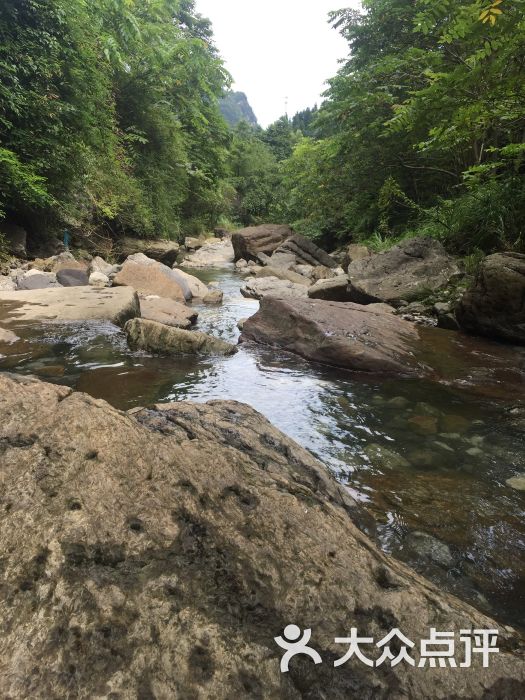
435,487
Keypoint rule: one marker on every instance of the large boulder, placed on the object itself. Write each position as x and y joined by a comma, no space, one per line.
72,277
197,288
282,273
34,279
214,253
343,335
70,304
158,555
335,289
15,238
249,242
414,268
273,286
495,306
168,312
148,276
306,252
161,250
161,338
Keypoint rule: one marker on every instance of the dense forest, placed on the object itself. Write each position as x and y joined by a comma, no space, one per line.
110,122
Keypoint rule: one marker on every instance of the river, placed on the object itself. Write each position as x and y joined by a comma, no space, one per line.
437,495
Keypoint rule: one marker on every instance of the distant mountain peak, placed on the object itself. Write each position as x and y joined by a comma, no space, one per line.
236,108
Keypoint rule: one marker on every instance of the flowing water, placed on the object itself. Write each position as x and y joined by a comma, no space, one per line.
428,462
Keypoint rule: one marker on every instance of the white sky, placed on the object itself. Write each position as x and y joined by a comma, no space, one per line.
276,49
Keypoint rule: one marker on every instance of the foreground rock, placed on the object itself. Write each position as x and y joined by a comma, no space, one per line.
163,251
70,304
413,269
214,253
273,286
305,252
149,277
249,242
495,306
162,553
168,312
160,338
343,335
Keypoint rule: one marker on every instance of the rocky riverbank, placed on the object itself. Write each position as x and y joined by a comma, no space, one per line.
139,575
189,531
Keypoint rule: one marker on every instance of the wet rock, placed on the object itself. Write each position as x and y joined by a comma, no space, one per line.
425,459
68,277
266,286
305,252
71,304
454,424
149,277
385,458
214,296
168,312
398,402
160,250
162,553
517,482
343,335
249,242
494,305
160,338
423,425
414,268
429,548
335,289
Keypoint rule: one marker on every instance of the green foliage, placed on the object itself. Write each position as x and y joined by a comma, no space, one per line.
109,117
422,129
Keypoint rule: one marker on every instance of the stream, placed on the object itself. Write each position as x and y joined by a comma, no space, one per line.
435,489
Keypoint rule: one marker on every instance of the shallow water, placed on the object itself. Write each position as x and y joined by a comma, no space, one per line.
421,457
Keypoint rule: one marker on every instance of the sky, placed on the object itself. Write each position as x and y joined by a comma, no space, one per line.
277,50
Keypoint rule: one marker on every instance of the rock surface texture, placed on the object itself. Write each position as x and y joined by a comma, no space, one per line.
249,242
214,253
305,252
343,335
163,251
158,337
148,276
70,304
495,306
167,311
273,286
158,555
414,268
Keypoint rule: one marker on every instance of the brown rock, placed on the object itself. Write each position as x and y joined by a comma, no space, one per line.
163,251
249,242
306,252
158,555
343,335
355,252
335,289
282,274
495,305
168,312
149,277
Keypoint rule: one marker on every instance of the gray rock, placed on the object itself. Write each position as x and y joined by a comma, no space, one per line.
427,547
99,279
335,289
160,250
34,279
249,242
414,268
168,312
72,278
494,305
7,283
305,251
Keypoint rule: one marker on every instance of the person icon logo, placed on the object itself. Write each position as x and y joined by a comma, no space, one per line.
296,644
